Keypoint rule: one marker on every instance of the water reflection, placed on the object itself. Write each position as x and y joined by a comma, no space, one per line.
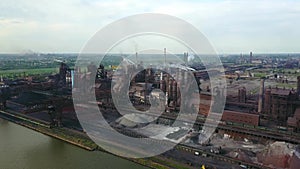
23,148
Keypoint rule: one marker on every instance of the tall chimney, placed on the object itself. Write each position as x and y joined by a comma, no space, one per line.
165,55
162,85
170,87
174,93
145,92
167,81
298,85
136,58
185,58
260,97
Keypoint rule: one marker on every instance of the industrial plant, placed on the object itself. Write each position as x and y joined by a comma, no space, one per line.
259,127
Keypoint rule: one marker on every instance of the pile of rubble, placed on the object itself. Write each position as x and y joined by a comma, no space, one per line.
277,154
242,155
274,154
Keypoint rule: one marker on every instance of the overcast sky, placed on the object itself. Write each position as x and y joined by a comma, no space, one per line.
231,26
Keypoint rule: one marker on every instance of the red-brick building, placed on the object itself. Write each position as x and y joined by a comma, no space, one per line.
240,117
279,103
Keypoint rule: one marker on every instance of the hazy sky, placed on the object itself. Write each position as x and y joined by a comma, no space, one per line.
231,26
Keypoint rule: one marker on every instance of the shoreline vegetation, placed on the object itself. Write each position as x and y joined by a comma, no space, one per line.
81,140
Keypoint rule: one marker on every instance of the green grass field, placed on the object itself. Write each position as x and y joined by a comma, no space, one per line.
27,72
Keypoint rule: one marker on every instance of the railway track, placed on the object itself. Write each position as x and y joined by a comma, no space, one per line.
262,132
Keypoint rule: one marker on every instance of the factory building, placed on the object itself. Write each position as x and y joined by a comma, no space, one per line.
240,117
279,103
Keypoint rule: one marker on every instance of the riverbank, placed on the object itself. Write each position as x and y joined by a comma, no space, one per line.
81,140
23,148
74,138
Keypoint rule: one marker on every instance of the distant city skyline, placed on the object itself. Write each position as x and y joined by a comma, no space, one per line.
231,26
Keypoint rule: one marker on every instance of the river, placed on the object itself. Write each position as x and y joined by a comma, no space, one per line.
22,148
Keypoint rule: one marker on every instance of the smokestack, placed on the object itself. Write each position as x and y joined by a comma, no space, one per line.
145,91
250,59
136,58
298,85
185,58
165,55
167,80
260,97
72,78
174,93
